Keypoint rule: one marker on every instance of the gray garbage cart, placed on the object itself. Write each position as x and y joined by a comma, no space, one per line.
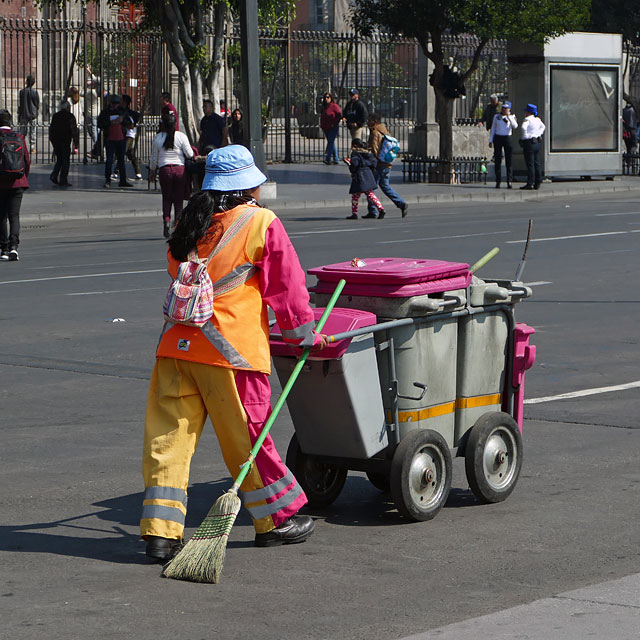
429,365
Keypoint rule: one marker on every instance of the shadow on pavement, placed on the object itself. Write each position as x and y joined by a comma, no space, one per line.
361,505
113,544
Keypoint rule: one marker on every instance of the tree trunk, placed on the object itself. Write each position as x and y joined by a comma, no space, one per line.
444,111
182,39
444,116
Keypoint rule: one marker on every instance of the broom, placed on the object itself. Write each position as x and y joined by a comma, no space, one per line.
202,558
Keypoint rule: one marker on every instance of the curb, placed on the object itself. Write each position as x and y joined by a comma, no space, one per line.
478,195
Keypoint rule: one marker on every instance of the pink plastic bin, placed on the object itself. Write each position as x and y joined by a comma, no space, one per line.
392,277
338,321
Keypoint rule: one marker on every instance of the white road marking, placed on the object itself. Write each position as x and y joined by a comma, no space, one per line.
585,235
584,392
298,234
468,235
95,293
93,264
536,284
87,275
624,213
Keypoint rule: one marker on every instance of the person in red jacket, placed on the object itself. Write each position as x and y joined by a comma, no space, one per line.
330,124
11,190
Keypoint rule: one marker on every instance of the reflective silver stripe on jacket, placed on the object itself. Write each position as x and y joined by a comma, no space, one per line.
304,331
233,279
223,346
162,513
270,490
166,493
165,327
273,507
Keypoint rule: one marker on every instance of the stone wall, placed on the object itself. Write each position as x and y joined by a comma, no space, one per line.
468,141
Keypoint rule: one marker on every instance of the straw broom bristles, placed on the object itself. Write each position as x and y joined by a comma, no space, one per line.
202,558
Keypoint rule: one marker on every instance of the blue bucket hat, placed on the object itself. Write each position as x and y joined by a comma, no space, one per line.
506,104
231,168
531,108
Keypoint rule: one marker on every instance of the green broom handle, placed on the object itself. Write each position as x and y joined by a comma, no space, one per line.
285,392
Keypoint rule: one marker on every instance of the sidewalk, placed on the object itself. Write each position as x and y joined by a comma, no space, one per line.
606,610
311,185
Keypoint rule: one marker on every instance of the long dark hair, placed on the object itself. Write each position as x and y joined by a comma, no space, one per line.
169,127
195,220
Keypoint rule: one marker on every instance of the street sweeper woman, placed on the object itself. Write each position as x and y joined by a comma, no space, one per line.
219,368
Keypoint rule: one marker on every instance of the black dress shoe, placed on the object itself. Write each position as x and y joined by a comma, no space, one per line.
405,209
295,529
528,187
381,214
509,185
165,230
163,549
53,179
497,185
353,216
370,215
66,184
536,186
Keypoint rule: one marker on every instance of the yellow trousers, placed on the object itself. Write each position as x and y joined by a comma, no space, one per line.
181,395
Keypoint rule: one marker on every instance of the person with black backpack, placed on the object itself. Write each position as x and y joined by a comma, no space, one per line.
14,171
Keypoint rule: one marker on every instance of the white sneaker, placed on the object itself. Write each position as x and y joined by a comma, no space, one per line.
138,176
13,255
4,255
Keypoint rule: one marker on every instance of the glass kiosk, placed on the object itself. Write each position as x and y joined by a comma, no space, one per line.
576,82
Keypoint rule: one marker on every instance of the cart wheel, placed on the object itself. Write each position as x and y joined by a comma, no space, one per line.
379,480
321,482
421,474
493,456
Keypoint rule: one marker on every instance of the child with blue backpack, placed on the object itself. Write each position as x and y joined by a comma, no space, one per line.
361,165
384,148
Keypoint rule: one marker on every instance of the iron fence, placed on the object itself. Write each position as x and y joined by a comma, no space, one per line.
455,171
631,164
94,58
489,77
298,67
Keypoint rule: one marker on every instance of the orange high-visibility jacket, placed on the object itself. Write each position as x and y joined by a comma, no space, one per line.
237,336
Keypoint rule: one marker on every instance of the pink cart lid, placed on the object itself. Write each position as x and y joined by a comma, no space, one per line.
392,277
338,321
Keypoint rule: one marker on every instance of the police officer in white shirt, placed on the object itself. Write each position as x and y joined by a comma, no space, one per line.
500,137
532,130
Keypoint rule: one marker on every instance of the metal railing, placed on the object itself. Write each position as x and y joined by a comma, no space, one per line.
455,171
631,164
298,67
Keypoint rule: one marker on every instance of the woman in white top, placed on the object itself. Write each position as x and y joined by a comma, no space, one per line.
501,138
532,130
169,150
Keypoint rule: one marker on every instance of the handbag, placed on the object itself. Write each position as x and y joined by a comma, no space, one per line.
189,299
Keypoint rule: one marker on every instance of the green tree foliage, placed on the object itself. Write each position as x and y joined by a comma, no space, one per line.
617,16
620,16
428,21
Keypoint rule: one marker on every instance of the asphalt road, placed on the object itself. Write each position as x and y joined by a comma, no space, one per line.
72,408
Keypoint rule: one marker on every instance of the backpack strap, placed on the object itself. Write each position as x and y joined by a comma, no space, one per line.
233,230
234,279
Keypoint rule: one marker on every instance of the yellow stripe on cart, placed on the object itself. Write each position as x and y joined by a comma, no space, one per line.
447,407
